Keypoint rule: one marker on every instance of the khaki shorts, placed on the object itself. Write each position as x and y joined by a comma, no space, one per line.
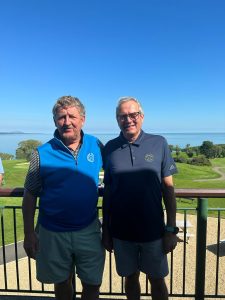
60,254
145,257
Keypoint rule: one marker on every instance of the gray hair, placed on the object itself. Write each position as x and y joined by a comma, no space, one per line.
67,101
126,99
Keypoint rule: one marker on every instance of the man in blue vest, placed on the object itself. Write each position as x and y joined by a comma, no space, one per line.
64,173
138,173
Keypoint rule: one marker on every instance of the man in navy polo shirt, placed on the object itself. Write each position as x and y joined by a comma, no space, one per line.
138,174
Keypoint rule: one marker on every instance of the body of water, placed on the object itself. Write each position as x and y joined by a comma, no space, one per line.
9,142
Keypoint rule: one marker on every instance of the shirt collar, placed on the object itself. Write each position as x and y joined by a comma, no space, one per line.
137,142
57,136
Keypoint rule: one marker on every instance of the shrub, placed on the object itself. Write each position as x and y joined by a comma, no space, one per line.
180,159
200,160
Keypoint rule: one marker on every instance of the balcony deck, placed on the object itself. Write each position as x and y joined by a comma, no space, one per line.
196,268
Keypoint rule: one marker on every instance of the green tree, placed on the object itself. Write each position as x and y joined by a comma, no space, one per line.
218,150
177,150
26,148
171,147
223,151
6,156
197,150
189,150
207,149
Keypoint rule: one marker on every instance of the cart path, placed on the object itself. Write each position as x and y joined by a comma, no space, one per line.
218,170
10,252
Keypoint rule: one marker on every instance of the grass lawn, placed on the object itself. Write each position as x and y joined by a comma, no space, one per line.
15,173
189,173
218,162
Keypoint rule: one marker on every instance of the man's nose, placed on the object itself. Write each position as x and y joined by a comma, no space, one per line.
67,120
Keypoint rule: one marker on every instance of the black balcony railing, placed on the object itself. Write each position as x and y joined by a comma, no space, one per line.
197,266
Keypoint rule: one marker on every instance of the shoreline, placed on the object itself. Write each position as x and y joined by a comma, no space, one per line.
9,141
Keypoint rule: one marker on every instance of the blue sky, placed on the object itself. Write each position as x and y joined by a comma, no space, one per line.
168,54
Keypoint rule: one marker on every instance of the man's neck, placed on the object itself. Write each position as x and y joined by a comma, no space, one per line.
73,143
132,139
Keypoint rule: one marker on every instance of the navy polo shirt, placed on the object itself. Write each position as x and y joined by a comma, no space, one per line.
135,171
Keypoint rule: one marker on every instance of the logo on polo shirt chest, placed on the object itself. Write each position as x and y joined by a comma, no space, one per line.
91,157
149,157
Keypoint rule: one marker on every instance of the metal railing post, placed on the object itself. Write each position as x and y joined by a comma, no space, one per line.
202,213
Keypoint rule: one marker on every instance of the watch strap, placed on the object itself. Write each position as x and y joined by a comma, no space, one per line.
172,229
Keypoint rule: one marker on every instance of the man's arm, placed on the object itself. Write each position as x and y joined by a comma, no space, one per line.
169,239
32,189
30,238
106,236
169,200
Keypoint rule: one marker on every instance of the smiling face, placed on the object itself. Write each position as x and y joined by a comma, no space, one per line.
130,120
69,122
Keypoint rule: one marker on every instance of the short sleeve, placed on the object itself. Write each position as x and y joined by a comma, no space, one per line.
168,164
33,178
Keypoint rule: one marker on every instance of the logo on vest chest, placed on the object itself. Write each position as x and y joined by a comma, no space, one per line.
149,157
91,157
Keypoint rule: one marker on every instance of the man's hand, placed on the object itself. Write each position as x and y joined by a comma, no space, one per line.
30,244
169,242
107,239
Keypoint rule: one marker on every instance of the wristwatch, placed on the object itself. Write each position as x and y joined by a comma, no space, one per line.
171,229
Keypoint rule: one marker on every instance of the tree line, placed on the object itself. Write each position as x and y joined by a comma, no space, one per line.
198,155
24,150
194,155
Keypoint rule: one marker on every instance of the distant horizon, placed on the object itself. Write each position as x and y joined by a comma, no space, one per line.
9,141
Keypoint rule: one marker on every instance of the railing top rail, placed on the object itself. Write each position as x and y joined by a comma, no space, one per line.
200,193
194,193
11,192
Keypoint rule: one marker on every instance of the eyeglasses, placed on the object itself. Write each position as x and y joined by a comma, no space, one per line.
133,116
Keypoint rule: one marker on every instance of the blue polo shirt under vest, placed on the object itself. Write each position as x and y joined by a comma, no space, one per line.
69,193
135,171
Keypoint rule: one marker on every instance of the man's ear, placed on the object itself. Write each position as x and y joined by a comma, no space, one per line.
83,120
54,121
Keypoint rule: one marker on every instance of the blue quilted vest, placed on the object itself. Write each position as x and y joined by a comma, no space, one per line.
69,193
